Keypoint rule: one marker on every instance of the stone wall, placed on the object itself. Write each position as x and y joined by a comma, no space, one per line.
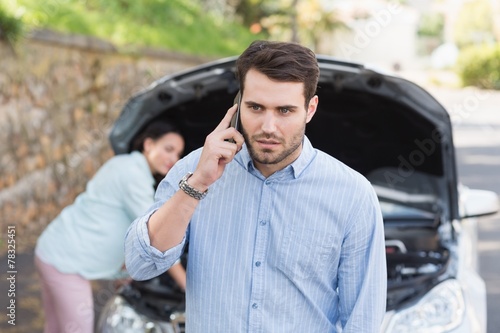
59,96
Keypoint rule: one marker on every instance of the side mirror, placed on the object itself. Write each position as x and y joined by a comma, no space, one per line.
479,203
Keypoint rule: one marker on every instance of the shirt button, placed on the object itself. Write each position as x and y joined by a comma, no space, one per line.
257,264
254,306
267,182
263,222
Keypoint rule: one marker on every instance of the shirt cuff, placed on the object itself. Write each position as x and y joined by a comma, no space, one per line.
162,260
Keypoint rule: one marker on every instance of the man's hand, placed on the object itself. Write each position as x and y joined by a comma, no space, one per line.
217,152
167,226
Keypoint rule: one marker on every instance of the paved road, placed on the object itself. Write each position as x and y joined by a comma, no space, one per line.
477,138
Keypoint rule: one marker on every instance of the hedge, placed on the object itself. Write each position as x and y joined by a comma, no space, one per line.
479,66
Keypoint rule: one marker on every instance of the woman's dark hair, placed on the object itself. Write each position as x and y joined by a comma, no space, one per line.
280,61
153,130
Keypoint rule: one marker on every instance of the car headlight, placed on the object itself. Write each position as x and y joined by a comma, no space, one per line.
119,317
440,310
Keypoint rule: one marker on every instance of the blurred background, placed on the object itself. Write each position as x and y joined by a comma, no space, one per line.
68,66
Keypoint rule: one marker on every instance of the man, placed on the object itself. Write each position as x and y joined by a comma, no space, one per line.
282,237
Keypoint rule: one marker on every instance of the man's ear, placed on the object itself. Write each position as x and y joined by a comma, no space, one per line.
312,107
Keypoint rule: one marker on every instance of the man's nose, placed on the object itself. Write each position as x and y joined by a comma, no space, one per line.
269,122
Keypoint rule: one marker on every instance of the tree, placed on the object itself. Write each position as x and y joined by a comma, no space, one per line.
11,27
305,21
474,24
315,22
253,12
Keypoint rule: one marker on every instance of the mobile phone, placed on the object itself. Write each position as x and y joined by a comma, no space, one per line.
235,120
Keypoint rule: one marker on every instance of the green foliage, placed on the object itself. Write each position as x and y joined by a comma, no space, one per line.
431,25
480,66
179,25
474,24
253,11
11,27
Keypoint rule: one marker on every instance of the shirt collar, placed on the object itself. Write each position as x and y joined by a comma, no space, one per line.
295,169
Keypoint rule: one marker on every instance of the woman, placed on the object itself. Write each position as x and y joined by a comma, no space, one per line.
85,242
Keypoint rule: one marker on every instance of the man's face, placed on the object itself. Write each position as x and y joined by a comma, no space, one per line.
273,118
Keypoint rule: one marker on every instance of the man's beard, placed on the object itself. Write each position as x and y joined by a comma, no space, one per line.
267,156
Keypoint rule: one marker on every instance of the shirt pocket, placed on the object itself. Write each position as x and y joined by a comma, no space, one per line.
305,252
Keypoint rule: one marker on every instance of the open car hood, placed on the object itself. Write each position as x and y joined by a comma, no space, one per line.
385,127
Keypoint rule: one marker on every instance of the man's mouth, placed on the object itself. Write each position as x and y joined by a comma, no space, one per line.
267,144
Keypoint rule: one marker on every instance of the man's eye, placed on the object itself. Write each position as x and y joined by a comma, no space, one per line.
255,107
284,110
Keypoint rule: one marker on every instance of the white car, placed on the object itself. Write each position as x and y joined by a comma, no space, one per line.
387,128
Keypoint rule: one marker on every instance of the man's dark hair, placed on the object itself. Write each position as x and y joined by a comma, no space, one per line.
280,61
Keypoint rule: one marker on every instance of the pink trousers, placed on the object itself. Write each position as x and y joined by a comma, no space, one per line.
67,300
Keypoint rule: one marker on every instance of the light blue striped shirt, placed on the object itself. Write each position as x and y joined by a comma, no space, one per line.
300,251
